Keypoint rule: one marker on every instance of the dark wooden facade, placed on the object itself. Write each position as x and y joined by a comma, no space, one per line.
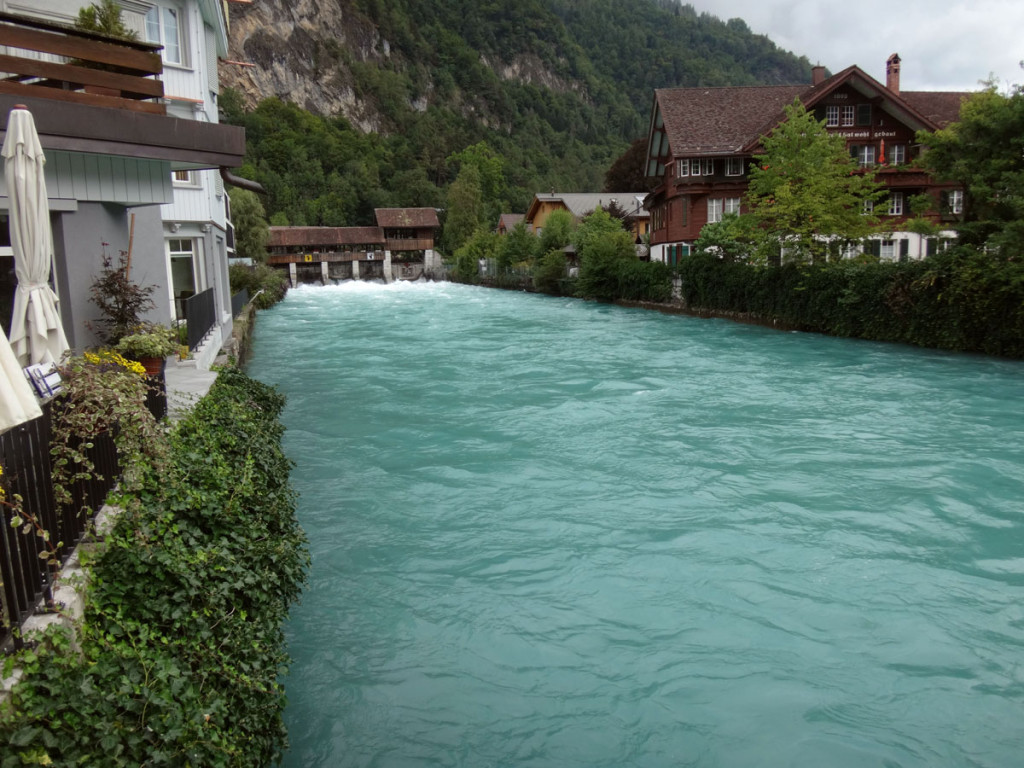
408,229
701,142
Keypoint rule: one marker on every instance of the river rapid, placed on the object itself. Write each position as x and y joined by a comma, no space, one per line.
554,533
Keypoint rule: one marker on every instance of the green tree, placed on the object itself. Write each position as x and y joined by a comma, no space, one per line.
516,247
556,232
251,228
465,212
984,153
549,272
480,245
732,238
805,189
598,225
104,18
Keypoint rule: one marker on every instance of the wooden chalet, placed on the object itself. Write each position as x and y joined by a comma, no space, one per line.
408,231
702,140
319,254
629,204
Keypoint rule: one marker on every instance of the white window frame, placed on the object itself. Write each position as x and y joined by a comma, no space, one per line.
898,154
866,155
157,22
186,179
849,115
715,208
887,250
896,203
868,208
734,166
956,201
683,167
731,206
832,116
709,166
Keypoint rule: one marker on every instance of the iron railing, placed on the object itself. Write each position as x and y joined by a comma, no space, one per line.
200,314
238,301
27,566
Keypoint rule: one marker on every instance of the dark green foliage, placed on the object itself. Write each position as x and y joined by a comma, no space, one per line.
105,18
251,228
181,646
517,247
549,274
962,300
628,172
983,152
272,282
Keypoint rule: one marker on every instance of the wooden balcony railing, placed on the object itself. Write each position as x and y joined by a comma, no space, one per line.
43,60
410,244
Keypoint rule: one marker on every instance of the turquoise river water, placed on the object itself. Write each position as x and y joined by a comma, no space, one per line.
555,533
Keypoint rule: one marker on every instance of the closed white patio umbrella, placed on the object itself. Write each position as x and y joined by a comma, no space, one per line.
36,332
17,402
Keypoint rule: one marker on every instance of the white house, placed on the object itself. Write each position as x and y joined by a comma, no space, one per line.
182,234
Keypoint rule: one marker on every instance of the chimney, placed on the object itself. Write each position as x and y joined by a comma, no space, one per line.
817,75
892,73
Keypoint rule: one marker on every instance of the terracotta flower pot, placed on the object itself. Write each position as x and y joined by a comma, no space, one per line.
154,365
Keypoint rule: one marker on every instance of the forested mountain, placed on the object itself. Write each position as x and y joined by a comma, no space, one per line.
556,89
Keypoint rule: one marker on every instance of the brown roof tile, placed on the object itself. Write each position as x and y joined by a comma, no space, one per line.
324,237
720,120
941,107
406,218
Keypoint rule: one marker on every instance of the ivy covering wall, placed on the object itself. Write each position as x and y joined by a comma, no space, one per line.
177,659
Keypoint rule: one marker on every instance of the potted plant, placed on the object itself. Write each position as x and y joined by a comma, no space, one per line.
150,344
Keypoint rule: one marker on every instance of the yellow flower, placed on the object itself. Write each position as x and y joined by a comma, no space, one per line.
110,356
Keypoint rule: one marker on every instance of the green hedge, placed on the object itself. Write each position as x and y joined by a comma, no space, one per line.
182,643
961,300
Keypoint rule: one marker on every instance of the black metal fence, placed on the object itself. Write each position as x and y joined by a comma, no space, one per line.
28,561
200,315
238,301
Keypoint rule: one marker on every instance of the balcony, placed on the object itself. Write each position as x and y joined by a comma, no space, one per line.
410,244
94,95
51,61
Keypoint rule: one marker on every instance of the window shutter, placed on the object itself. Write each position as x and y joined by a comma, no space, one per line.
904,249
932,247
863,114
819,113
943,201
874,247
855,151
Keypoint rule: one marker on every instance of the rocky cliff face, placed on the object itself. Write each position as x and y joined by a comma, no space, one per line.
290,43
304,51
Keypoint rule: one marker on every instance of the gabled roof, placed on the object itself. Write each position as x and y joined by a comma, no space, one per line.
308,237
406,218
579,204
941,107
509,220
720,120
729,120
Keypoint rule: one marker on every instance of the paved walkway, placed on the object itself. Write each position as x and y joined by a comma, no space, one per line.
185,385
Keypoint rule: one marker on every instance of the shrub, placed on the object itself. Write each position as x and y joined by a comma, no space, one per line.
272,282
181,647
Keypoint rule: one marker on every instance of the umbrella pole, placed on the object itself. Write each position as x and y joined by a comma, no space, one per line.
128,260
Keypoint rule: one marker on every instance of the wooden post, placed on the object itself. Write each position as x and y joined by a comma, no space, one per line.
131,239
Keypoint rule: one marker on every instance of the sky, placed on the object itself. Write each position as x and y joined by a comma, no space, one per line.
944,45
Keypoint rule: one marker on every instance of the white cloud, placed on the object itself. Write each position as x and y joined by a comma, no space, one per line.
946,45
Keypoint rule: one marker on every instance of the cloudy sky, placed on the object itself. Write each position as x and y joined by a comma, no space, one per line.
944,44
